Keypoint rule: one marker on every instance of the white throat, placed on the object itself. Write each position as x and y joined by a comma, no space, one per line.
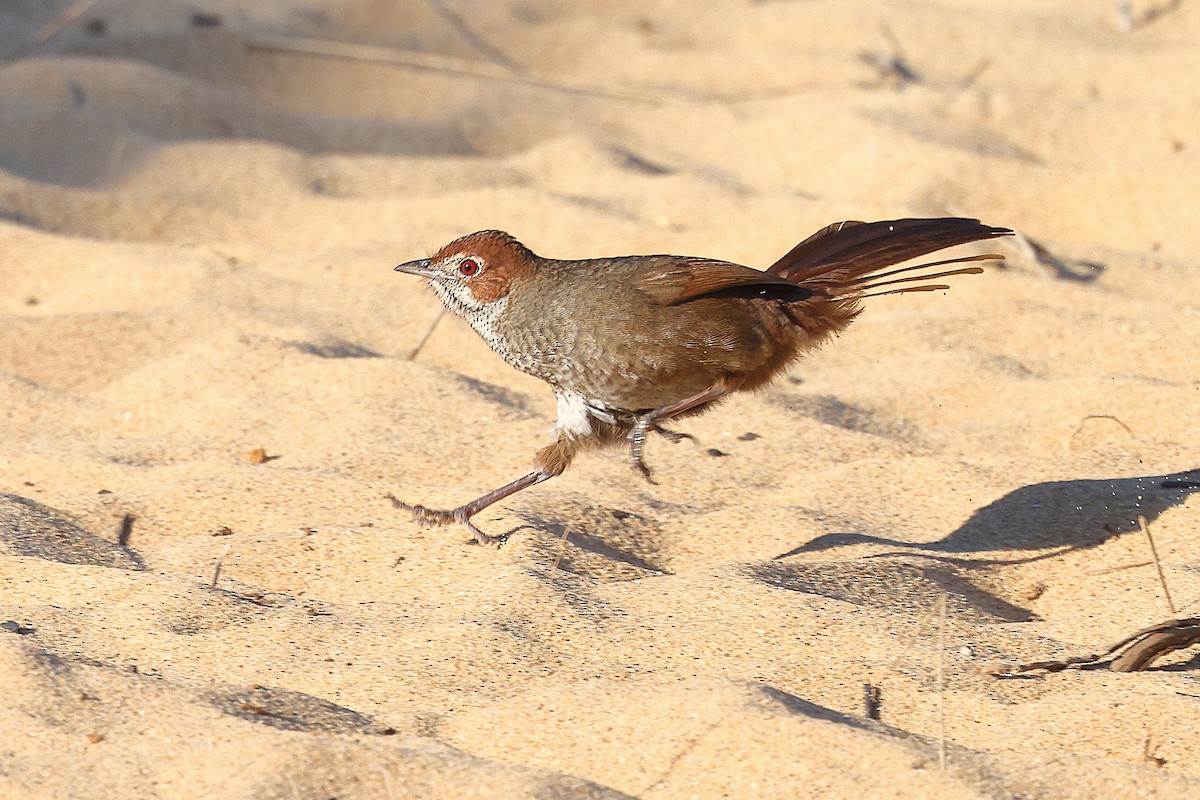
481,316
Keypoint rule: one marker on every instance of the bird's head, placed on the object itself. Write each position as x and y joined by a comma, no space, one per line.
473,272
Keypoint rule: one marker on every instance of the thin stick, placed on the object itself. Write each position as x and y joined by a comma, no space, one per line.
428,332
433,62
941,681
1157,564
51,28
220,560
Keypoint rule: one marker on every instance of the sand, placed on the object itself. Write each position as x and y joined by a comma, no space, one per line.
196,242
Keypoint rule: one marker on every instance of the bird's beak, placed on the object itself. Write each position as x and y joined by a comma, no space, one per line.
420,268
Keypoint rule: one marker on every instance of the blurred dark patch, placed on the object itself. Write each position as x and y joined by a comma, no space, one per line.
28,528
334,348
1006,365
627,159
202,19
8,215
1075,270
605,207
832,411
940,131
78,95
513,401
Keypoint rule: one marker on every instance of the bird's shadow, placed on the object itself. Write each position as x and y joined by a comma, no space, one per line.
1055,516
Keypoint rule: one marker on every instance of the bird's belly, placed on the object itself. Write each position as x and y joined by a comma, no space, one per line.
637,363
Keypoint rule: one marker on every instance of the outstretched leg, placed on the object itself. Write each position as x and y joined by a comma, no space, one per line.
650,422
550,460
463,514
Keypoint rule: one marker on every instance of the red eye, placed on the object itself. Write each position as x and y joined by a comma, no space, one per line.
468,266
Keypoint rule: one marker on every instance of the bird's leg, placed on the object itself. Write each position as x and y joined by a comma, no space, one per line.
650,422
463,514
550,460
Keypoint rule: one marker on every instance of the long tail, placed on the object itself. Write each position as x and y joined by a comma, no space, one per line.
841,264
843,260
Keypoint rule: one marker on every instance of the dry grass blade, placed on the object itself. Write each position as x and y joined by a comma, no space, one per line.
1157,563
412,356
562,549
220,560
52,28
432,62
1083,422
941,681
468,34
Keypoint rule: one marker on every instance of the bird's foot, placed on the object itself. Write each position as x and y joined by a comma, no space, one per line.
637,444
675,437
432,517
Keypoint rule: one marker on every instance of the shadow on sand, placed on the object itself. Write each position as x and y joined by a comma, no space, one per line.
1057,515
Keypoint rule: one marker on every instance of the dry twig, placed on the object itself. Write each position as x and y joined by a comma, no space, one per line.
1141,649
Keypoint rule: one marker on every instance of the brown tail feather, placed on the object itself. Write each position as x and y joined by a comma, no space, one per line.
876,276
849,251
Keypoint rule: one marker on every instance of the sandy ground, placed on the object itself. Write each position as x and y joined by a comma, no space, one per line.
196,242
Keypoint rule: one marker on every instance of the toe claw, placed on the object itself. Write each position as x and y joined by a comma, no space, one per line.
424,516
640,465
637,440
675,437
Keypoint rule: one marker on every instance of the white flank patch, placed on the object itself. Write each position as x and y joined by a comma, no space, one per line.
574,416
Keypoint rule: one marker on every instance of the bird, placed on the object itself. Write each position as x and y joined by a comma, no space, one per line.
630,343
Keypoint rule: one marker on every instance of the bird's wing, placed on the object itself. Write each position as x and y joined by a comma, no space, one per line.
684,279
